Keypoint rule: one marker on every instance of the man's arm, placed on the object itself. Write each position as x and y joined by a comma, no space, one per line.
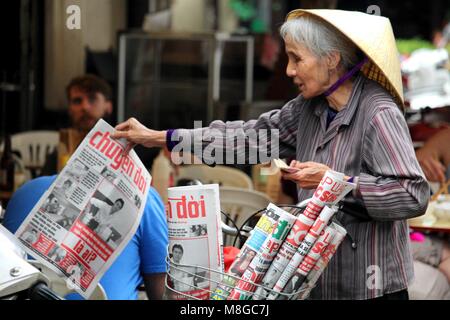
153,245
434,156
154,285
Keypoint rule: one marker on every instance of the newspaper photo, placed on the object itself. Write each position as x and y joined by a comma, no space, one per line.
195,241
87,216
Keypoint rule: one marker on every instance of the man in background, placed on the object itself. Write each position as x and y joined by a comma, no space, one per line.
143,259
90,99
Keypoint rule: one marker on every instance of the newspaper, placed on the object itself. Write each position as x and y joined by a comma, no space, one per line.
262,261
317,270
332,189
311,259
261,231
290,247
195,241
87,216
291,280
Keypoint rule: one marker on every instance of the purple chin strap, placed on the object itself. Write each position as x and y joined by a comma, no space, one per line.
345,77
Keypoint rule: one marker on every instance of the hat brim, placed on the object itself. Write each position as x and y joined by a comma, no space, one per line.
374,36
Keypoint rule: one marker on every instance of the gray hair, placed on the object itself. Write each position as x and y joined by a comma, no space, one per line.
321,39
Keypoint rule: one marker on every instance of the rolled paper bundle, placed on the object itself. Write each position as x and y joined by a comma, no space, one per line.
332,189
309,258
259,265
290,247
259,234
315,273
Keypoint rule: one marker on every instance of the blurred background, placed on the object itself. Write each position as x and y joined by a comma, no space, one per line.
196,59
172,62
40,54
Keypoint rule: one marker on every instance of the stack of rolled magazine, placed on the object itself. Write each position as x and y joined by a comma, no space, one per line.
285,254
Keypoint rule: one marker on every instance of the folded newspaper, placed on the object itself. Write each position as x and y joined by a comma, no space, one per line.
90,212
195,241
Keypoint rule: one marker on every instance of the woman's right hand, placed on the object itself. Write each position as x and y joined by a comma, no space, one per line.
309,174
136,133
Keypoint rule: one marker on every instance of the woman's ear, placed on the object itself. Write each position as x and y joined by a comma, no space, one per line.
333,60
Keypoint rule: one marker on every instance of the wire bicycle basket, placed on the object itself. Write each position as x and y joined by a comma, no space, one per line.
194,282
175,280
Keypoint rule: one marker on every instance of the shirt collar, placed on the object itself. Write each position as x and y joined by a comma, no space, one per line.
345,115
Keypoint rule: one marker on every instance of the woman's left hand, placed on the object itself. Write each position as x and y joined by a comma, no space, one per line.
136,133
309,174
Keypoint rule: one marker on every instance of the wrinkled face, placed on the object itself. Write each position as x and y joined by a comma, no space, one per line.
309,73
177,254
85,110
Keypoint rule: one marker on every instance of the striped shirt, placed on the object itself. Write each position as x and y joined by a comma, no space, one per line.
368,139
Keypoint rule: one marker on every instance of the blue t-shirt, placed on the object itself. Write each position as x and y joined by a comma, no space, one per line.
144,254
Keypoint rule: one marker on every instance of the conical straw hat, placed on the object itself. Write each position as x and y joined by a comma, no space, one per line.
375,37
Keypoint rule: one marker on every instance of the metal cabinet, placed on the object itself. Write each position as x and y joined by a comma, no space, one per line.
170,80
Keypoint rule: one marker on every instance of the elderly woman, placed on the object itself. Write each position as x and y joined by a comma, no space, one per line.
347,117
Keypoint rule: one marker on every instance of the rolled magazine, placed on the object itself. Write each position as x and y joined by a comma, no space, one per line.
312,241
317,270
332,189
261,231
262,261
266,275
289,249
309,262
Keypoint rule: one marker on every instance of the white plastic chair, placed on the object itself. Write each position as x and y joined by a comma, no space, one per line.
34,146
240,204
222,175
